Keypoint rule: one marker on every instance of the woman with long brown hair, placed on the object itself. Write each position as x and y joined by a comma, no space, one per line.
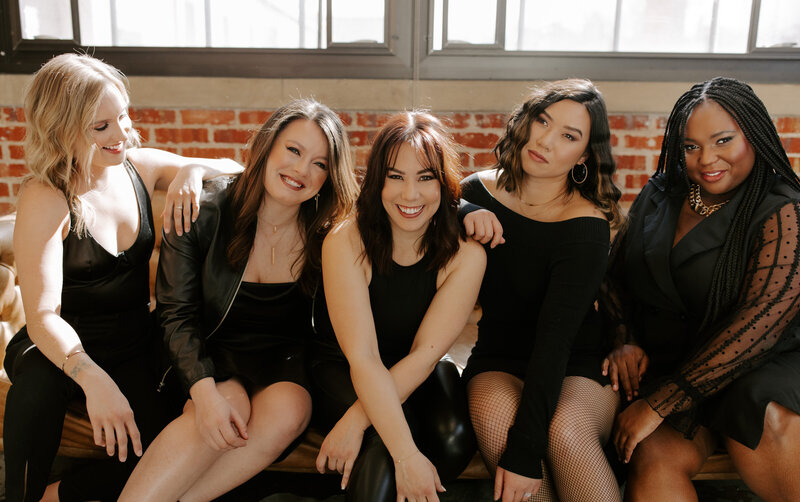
235,300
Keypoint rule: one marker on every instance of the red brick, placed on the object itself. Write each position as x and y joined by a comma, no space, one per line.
464,158
791,145
795,163
628,197
359,138
16,151
12,170
7,208
346,118
244,154
476,139
254,117
4,190
212,153
152,116
214,117
631,162
241,136
484,159
14,114
456,120
788,124
144,135
636,181
371,119
181,135
361,158
614,140
629,122
491,120
12,133
16,187
643,142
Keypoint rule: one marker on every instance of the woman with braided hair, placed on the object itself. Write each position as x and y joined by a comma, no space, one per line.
704,291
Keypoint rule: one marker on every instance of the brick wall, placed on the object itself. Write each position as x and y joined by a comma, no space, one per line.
636,139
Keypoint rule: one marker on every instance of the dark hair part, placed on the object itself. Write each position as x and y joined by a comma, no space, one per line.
435,150
336,197
741,103
599,187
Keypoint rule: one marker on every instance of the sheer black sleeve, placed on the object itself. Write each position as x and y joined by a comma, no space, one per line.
770,302
614,300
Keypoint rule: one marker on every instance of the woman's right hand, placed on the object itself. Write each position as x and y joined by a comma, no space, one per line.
111,416
340,447
511,487
218,423
483,226
626,364
417,479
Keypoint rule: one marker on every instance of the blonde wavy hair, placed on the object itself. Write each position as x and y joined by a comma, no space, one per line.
60,104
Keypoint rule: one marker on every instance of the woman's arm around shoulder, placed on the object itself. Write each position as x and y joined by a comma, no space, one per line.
182,178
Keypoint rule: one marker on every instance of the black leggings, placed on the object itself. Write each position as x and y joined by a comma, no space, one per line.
34,416
436,413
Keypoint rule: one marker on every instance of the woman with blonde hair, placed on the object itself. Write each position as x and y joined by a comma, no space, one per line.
235,298
83,238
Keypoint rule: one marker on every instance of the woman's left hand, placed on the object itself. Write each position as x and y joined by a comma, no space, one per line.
182,204
633,426
511,487
340,448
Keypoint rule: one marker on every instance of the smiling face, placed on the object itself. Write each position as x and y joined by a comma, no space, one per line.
411,193
110,129
557,141
718,156
297,165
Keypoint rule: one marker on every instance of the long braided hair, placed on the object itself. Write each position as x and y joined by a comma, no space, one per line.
739,100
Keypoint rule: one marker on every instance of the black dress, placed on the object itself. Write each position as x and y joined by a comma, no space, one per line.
723,375
106,299
539,321
436,412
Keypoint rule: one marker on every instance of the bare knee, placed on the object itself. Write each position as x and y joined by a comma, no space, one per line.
779,423
284,409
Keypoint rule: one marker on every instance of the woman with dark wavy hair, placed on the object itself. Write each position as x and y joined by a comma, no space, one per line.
400,282
704,290
234,299
553,195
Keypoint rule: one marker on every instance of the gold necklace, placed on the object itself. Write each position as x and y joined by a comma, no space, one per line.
277,241
697,204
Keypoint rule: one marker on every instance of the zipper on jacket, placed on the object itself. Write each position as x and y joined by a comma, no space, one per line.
162,383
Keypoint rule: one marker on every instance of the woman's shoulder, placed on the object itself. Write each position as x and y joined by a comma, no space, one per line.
344,237
579,207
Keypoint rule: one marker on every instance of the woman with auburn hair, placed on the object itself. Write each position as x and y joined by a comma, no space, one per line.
539,404
235,302
83,238
400,282
704,290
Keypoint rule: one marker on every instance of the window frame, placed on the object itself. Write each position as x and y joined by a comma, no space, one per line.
392,59
482,62
407,53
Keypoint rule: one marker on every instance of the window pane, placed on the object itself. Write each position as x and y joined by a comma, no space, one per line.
357,21
543,25
779,24
471,21
159,23
95,18
264,23
658,26
733,24
46,19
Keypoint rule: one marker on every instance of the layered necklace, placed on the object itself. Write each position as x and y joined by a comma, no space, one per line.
697,204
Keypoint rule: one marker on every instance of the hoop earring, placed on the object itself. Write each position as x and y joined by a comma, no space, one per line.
316,202
582,176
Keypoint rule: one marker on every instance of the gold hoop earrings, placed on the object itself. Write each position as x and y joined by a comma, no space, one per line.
581,177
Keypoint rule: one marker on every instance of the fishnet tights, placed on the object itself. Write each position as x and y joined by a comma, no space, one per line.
576,469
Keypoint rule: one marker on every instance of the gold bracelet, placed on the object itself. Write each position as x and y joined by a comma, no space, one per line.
66,358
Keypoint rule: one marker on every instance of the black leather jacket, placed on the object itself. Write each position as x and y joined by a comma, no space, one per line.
195,287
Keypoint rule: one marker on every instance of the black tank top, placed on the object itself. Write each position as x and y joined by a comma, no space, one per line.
96,281
399,301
